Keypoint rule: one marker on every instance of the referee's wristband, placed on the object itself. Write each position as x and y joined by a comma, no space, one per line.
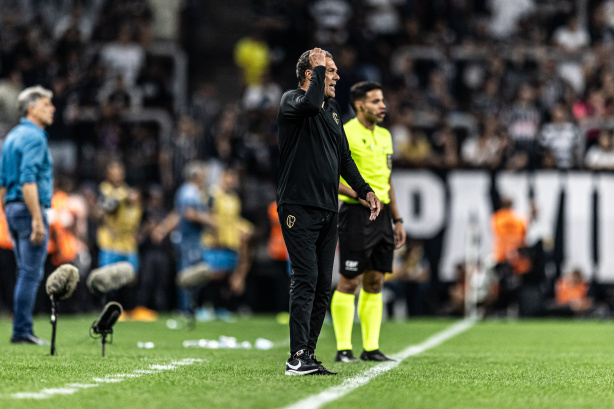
399,220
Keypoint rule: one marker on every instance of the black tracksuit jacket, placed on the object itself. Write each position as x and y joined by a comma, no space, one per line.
314,150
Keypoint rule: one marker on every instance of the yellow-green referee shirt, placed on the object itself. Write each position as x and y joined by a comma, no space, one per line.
372,152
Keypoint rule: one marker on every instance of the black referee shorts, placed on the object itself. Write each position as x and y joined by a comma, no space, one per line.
364,244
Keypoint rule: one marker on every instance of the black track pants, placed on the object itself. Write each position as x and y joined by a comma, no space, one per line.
310,234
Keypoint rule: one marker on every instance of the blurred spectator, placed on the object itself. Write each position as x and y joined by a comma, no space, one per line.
276,249
509,232
562,138
9,266
143,167
187,145
509,237
438,98
166,18
478,284
115,94
10,88
458,290
445,144
77,18
190,217
600,31
206,104
157,267
121,212
552,88
153,86
601,155
594,106
572,39
523,120
485,149
252,56
228,252
228,137
331,19
572,296
411,146
409,281
123,57
487,101
505,16
262,96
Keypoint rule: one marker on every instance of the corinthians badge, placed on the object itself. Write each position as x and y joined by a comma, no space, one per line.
290,221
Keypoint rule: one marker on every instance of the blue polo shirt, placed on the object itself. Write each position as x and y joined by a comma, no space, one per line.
26,159
189,196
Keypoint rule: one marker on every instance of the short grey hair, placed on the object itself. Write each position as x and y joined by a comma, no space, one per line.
303,65
194,169
29,96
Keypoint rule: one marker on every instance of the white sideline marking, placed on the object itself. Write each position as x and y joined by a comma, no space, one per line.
320,399
71,388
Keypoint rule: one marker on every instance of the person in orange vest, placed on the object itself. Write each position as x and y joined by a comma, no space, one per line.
509,232
509,241
278,253
7,261
63,245
572,296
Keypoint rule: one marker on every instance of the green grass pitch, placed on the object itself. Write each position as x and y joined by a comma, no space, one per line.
494,364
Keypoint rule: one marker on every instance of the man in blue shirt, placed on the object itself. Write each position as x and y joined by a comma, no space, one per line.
193,216
26,181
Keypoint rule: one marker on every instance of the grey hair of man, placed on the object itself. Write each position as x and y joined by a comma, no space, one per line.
194,169
29,96
303,65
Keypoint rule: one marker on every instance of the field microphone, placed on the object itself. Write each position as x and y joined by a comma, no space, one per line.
112,277
103,325
61,284
194,276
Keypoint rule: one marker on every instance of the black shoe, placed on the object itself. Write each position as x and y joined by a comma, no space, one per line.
29,339
345,356
321,369
301,364
375,355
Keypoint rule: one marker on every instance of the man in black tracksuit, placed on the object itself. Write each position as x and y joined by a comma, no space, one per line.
314,153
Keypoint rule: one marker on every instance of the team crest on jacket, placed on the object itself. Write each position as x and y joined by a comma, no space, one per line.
336,117
290,221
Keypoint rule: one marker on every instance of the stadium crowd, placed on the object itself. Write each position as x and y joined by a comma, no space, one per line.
490,84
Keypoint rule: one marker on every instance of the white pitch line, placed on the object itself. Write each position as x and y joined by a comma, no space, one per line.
333,393
71,388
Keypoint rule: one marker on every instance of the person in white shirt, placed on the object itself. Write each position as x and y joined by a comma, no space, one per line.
572,39
562,138
123,57
601,155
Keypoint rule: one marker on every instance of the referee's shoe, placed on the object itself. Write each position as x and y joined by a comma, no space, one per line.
375,356
302,363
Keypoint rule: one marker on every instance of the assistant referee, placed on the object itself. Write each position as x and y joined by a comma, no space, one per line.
365,248
314,154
